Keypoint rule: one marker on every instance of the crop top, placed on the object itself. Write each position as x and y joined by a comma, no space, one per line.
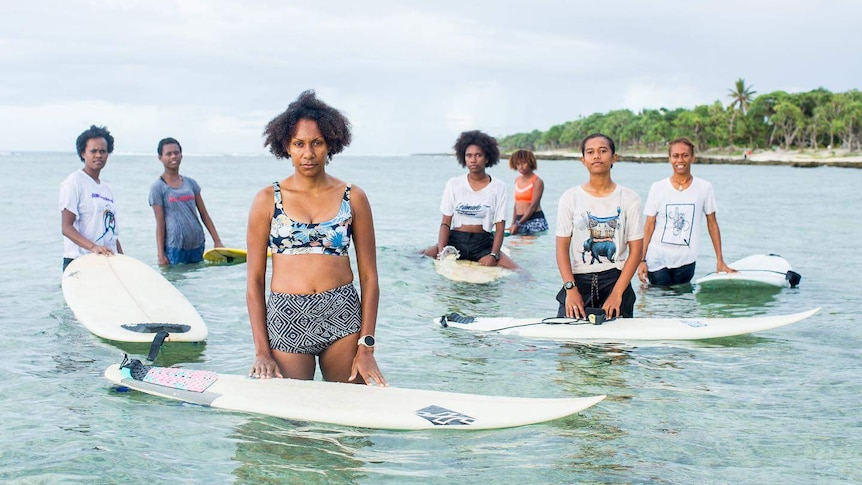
525,194
287,236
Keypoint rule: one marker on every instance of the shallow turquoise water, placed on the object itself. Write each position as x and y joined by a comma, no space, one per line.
781,406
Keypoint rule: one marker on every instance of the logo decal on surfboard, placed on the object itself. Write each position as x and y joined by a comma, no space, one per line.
693,323
441,416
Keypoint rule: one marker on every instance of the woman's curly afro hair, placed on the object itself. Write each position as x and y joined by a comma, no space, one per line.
332,124
487,143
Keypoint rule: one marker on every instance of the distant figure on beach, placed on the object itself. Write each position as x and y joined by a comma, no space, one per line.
599,238
527,217
307,220
674,210
474,205
176,201
87,208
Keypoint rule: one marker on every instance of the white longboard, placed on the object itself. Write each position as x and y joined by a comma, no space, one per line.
120,298
352,404
759,270
623,329
464,271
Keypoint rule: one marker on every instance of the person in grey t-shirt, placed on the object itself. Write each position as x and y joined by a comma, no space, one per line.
176,201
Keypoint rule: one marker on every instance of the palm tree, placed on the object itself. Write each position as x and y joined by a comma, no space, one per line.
742,96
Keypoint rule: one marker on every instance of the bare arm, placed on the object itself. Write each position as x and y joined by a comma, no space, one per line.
159,212
365,245
443,233
496,246
257,236
574,302
715,236
649,227
513,229
67,225
207,220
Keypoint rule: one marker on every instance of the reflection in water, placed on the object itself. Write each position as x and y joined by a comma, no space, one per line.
737,301
272,450
170,354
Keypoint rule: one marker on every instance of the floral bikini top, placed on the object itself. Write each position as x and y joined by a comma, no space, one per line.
287,236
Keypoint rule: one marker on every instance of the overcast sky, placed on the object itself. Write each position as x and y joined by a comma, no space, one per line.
410,75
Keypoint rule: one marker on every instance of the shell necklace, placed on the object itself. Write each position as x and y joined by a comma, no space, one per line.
682,184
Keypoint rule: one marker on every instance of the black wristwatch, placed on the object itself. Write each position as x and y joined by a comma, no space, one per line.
495,255
569,285
367,341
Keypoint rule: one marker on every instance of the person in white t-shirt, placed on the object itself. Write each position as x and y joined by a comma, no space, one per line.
474,205
674,210
599,238
87,207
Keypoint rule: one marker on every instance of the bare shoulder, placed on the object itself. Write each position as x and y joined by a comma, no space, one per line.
357,193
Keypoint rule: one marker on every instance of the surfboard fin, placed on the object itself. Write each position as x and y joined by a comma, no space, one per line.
793,278
158,340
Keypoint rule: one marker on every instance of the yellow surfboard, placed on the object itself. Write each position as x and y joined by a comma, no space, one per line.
226,255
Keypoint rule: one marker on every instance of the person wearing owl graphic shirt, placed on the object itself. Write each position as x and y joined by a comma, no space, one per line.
474,205
88,211
675,210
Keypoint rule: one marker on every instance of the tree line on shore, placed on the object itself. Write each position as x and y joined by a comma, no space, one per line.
813,119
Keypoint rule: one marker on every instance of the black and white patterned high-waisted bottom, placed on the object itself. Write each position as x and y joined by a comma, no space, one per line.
308,324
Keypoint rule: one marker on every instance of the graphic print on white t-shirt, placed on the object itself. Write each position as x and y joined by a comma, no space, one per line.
472,213
601,237
678,225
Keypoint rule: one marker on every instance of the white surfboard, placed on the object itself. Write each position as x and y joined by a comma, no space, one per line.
623,329
759,270
120,298
351,404
450,267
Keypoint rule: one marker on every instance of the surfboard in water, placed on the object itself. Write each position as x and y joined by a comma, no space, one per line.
450,267
120,298
356,405
622,329
759,270
226,255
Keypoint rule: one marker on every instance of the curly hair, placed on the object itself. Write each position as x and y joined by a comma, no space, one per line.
332,124
487,143
598,135
525,156
93,132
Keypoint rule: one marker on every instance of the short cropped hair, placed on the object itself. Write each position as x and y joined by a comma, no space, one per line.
681,140
93,132
168,141
522,156
333,125
486,142
598,135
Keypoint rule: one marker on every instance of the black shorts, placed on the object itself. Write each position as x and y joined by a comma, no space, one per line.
606,280
472,245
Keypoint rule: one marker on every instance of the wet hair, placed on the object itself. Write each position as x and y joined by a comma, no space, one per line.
168,141
486,142
683,141
522,156
93,132
598,135
333,125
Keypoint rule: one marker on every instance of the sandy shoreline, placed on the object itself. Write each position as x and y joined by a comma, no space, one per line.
819,158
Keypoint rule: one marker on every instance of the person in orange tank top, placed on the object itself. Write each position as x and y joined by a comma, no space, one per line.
528,217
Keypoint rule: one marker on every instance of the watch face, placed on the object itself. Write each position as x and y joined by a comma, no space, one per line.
367,341
569,285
